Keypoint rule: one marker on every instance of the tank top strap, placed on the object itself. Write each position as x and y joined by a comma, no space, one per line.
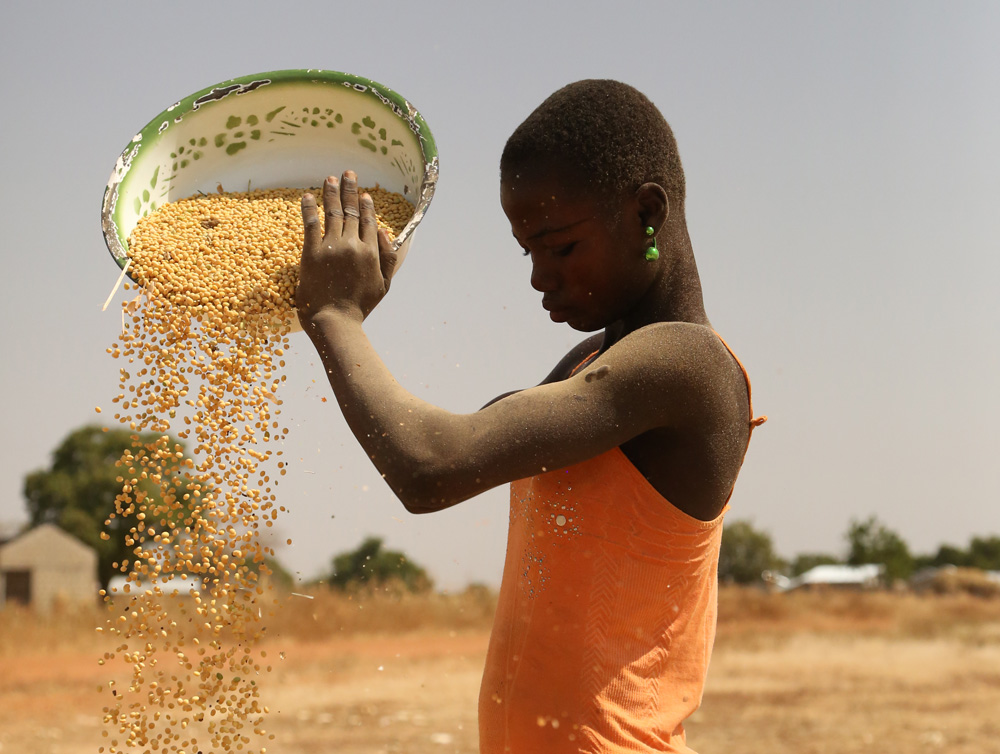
586,360
754,423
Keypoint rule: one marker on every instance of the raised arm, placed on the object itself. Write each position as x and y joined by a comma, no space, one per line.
432,458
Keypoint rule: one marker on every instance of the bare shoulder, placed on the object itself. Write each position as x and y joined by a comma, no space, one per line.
678,344
681,367
698,401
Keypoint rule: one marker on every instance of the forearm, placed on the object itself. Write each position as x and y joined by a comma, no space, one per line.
407,439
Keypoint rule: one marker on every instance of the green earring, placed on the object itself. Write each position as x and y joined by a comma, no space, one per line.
652,253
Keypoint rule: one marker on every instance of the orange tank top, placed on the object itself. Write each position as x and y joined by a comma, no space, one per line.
606,615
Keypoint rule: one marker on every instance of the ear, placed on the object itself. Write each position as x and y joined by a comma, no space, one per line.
654,206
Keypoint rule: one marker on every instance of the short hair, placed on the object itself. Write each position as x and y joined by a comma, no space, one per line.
604,132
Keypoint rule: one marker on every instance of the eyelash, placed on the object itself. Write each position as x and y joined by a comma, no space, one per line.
564,251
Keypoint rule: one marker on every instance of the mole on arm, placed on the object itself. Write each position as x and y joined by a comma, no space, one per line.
596,374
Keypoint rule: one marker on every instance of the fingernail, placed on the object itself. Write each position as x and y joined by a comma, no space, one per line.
350,175
331,180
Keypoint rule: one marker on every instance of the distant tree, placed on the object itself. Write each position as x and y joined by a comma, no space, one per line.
984,552
950,555
870,541
279,575
746,553
370,565
77,492
808,560
921,561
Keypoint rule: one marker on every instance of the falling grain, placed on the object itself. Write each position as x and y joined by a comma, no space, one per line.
201,352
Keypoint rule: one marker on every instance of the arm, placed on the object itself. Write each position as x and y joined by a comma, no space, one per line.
432,458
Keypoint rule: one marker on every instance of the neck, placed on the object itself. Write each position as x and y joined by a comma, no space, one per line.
674,296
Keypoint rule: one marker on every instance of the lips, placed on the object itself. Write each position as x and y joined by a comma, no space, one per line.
556,312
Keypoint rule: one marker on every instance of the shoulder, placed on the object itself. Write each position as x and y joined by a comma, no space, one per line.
671,348
677,370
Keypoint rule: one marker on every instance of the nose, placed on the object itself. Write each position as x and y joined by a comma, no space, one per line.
543,277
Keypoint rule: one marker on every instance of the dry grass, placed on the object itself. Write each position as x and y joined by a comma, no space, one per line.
800,673
64,629
323,612
319,613
314,614
962,581
746,614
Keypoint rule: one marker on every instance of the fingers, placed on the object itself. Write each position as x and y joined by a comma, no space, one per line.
310,221
331,204
387,257
349,202
368,232
372,235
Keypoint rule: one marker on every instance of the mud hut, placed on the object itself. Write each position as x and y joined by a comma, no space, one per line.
44,567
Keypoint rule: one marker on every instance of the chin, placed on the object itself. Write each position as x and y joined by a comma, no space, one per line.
577,320
582,325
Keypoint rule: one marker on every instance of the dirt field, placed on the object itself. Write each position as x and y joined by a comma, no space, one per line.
811,674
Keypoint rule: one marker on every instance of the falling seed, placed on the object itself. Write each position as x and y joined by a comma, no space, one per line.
202,349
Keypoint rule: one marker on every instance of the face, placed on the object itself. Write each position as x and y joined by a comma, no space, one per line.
586,257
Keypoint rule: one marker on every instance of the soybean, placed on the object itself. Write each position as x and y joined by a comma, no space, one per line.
202,349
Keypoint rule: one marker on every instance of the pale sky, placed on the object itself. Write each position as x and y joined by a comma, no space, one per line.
843,168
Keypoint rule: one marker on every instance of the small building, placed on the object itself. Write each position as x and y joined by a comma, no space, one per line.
45,566
868,576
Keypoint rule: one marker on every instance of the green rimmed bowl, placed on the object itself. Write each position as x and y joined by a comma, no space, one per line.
272,130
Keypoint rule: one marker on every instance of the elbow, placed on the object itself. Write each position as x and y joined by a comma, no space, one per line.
431,474
419,506
418,503
429,491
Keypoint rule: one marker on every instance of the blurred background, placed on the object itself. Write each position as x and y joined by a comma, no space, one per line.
843,179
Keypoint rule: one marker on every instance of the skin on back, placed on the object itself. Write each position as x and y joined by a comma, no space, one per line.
662,386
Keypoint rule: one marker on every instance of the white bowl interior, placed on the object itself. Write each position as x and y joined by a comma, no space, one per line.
284,129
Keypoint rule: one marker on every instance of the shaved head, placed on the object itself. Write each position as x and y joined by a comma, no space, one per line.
604,136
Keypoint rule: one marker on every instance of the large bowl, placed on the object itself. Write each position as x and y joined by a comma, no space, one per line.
273,130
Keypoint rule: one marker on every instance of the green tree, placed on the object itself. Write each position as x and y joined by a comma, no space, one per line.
370,565
950,555
746,553
277,574
870,541
77,492
984,552
808,560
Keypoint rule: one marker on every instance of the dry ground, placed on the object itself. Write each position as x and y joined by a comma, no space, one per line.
802,674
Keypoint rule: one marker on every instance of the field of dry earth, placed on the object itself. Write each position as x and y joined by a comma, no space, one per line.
791,674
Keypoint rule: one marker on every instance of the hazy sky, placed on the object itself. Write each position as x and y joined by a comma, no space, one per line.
843,167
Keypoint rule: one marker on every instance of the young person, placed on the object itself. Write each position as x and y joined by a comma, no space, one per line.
621,462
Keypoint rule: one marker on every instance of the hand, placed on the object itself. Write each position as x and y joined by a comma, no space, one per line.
348,268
